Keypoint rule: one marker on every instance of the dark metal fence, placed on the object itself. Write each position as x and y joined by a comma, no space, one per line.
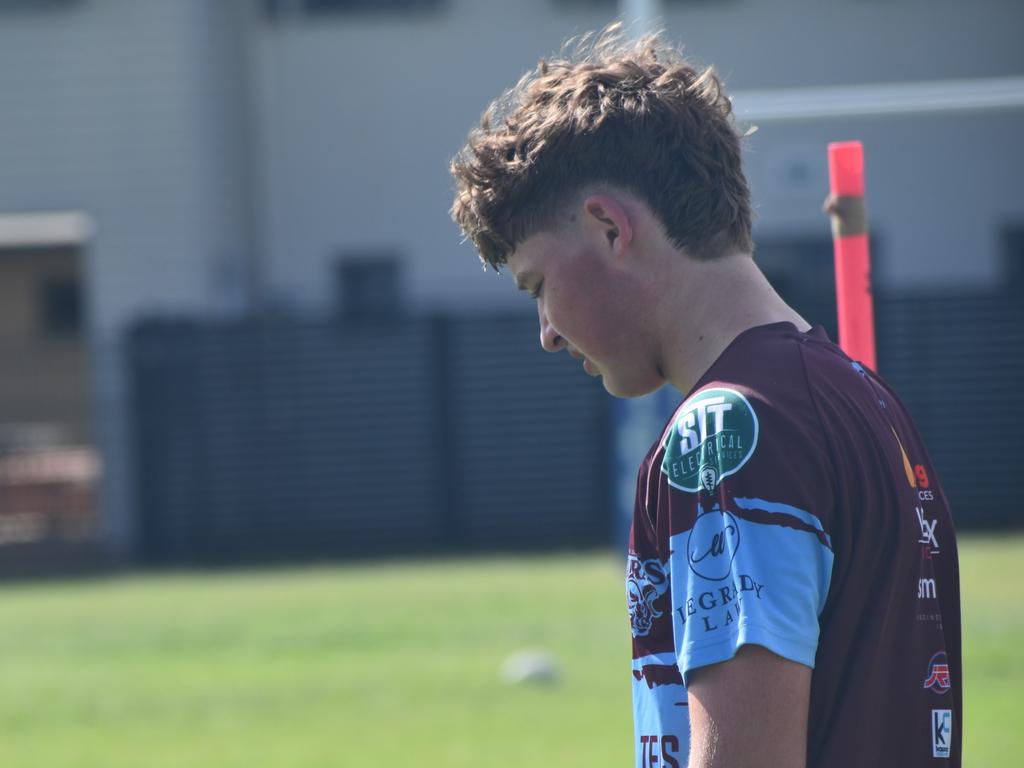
957,362
306,439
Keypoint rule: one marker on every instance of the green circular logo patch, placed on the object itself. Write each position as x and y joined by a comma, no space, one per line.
713,436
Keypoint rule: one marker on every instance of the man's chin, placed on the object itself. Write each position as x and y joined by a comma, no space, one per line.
630,389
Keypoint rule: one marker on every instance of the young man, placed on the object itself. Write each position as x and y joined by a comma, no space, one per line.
792,580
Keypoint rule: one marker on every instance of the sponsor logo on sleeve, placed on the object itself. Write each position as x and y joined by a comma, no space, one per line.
937,678
708,478
713,437
917,478
928,538
646,581
720,607
908,471
712,544
917,475
927,596
710,550
942,732
926,589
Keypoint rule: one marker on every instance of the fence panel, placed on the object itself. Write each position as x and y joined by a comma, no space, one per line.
305,439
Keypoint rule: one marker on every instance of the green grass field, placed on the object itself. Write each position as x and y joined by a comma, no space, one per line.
384,664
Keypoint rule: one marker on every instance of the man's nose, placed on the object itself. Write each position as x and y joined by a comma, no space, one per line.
549,338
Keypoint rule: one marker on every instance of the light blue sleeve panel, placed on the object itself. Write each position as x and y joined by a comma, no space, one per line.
661,716
757,572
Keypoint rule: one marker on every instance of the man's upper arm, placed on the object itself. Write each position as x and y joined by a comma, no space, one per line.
749,711
750,569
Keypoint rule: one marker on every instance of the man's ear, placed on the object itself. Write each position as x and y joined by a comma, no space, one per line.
604,214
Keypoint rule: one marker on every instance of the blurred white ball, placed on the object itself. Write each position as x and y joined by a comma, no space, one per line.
530,666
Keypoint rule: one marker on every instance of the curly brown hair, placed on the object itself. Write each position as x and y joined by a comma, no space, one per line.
635,115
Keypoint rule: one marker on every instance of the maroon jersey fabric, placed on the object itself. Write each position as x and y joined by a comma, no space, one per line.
791,504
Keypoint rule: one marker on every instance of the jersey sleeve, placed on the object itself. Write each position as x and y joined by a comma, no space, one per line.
750,551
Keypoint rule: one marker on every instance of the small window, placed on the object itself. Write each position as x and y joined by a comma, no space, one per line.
801,268
61,307
1013,257
617,3
369,285
279,8
18,6
324,6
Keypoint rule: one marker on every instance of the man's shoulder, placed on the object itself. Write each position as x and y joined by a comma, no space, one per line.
775,357
774,366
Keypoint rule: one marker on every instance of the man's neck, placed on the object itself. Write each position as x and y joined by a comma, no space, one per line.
722,299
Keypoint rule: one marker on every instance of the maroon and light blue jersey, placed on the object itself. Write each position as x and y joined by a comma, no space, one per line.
790,503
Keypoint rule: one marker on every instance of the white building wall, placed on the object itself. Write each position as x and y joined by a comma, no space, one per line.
119,108
362,114
939,190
